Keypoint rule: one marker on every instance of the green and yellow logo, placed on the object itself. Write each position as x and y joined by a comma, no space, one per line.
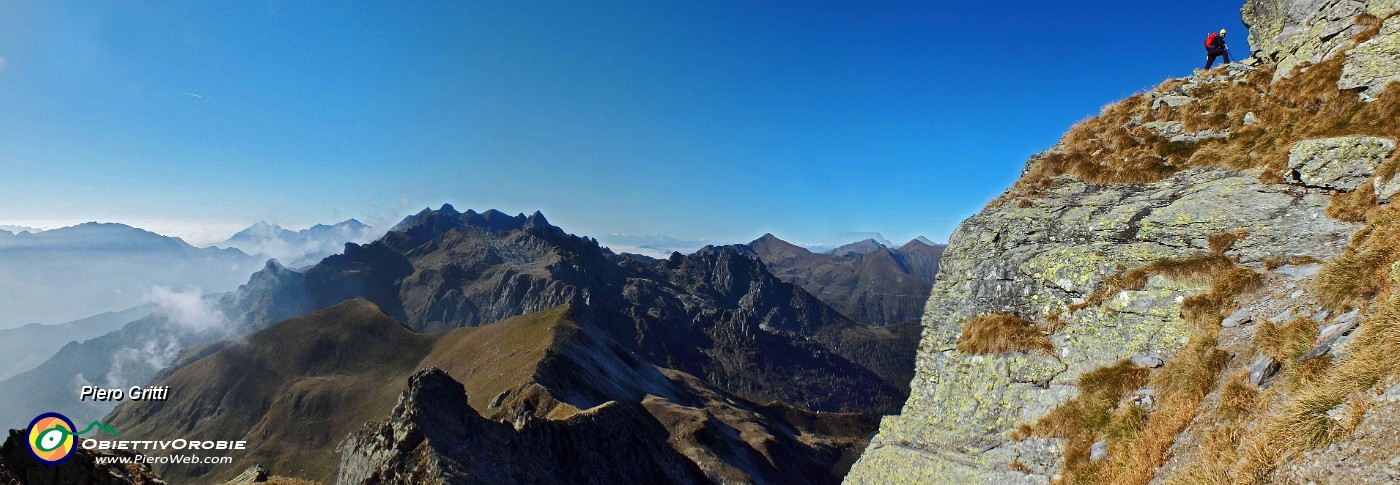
52,437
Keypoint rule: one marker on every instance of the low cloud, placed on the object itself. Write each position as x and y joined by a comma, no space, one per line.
133,366
187,308
189,312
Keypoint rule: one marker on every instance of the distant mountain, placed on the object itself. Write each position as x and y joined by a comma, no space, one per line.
73,272
866,281
18,229
297,249
866,246
532,399
26,347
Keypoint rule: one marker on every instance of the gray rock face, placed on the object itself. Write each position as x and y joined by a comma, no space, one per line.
1038,259
1329,336
1292,32
1342,163
1098,451
1374,63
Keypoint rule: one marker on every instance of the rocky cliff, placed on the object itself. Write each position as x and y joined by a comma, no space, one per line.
1191,287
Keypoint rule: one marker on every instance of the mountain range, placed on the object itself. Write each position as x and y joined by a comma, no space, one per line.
681,351
688,350
74,272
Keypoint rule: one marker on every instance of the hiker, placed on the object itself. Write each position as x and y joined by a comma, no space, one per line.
1215,47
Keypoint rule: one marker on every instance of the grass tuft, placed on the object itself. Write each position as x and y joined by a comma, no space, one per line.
1093,414
1363,271
1002,333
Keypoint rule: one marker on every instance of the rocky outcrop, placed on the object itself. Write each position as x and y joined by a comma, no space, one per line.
1037,259
1075,261
1375,63
1342,163
17,467
1293,32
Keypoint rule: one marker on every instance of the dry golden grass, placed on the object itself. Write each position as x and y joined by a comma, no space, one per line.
1371,26
1362,272
1001,333
1182,384
1238,399
1093,414
1220,449
288,481
1287,341
1353,206
1302,423
1113,147
1138,440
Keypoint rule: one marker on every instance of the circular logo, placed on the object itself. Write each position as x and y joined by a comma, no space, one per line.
51,438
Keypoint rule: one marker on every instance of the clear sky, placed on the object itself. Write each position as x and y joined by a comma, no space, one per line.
693,119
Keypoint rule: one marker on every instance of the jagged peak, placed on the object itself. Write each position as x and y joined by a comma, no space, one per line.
274,265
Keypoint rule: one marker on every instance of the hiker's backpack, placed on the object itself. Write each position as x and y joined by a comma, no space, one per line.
1210,39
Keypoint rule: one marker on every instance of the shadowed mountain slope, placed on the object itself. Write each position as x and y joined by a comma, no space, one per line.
542,392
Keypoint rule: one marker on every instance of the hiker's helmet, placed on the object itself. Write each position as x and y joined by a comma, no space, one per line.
1222,32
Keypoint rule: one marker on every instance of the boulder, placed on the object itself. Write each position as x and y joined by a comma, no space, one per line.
1240,317
1098,451
1262,369
1342,163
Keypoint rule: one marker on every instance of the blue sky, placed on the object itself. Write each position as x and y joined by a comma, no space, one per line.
714,120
